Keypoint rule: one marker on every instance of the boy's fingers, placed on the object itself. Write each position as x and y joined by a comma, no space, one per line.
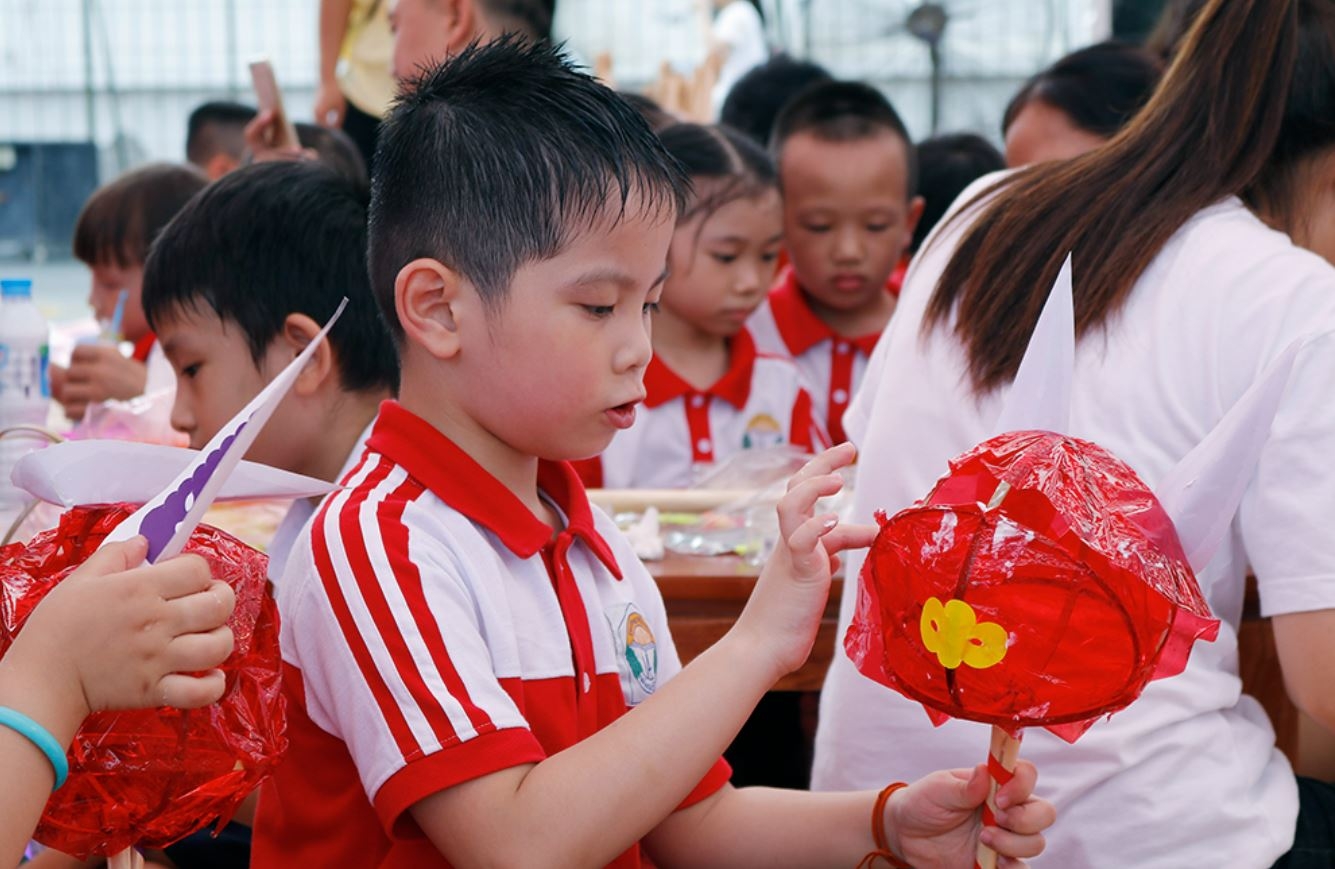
802,542
1012,844
202,611
114,558
181,576
189,653
1018,789
827,462
845,537
191,692
796,507
1028,818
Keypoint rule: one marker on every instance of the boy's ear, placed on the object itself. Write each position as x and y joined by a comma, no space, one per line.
427,296
916,206
299,331
219,165
463,24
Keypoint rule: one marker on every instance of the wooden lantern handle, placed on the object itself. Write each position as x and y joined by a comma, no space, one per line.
1001,760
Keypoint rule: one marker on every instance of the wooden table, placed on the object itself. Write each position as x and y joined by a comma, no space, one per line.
704,596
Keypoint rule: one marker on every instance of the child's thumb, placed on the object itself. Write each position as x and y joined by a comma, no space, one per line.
115,557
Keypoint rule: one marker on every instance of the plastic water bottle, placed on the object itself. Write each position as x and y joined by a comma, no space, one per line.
25,388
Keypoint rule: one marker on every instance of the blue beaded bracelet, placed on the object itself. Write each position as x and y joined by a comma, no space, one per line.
40,737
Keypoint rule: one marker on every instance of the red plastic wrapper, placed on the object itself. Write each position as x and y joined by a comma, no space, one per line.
151,777
1039,584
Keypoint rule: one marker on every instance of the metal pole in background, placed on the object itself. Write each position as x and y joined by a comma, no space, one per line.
233,61
89,97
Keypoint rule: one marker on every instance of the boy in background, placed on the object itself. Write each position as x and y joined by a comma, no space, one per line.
464,637
215,137
112,236
237,286
848,173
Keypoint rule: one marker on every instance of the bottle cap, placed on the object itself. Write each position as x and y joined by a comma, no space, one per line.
16,288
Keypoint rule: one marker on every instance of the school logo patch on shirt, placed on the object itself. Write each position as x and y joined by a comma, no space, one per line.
762,430
637,652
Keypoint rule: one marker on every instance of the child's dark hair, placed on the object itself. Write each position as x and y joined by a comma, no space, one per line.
271,240
1099,88
843,111
217,127
717,154
947,165
1249,99
657,117
335,149
758,96
120,220
501,157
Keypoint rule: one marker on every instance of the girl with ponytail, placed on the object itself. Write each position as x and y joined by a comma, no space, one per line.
1202,236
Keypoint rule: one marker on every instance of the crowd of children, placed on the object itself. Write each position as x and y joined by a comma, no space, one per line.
550,287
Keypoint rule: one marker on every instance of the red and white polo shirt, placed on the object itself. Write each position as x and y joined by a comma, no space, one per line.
435,631
831,365
681,431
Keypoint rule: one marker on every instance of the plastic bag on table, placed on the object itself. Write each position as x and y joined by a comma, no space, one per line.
145,418
150,777
747,526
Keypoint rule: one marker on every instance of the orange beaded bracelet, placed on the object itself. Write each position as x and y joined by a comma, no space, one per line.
878,835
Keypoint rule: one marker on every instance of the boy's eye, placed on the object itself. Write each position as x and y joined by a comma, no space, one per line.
769,256
651,307
724,258
816,227
877,227
190,370
599,310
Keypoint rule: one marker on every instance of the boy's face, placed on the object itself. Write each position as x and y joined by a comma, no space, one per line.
847,215
559,368
723,262
107,282
216,377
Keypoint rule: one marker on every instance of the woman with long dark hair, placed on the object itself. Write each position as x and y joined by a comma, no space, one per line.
1201,236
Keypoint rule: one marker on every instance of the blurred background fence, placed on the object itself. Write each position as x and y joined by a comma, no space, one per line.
89,88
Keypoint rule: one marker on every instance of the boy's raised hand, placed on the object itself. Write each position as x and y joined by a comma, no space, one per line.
98,372
935,822
785,609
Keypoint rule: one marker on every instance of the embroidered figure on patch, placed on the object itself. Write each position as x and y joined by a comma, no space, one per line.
762,430
637,652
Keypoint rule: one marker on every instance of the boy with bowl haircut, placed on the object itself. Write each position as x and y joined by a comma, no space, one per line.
847,168
238,284
478,668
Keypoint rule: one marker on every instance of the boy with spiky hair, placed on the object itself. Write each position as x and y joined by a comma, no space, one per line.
479,670
849,176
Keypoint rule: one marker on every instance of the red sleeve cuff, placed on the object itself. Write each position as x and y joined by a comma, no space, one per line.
714,780
438,771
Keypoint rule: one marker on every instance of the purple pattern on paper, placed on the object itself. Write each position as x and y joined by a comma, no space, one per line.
159,524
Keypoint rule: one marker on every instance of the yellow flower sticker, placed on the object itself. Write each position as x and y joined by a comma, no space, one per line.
951,631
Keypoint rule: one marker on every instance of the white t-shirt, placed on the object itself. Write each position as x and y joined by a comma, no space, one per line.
1189,774
301,511
739,30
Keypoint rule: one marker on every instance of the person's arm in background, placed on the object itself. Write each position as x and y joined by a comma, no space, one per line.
116,634
330,104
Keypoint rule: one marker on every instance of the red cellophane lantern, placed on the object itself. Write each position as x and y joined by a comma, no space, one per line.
1039,584
150,777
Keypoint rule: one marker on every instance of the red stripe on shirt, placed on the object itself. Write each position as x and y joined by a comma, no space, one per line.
384,697
394,536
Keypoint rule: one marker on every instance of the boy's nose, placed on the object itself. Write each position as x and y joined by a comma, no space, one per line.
636,349
849,246
182,419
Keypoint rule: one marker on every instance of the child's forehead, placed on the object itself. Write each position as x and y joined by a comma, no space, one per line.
809,152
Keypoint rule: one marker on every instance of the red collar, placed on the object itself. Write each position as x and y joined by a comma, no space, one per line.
662,384
143,347
799,326
453,476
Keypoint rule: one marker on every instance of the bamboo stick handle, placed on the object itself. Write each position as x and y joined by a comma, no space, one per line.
1001,760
